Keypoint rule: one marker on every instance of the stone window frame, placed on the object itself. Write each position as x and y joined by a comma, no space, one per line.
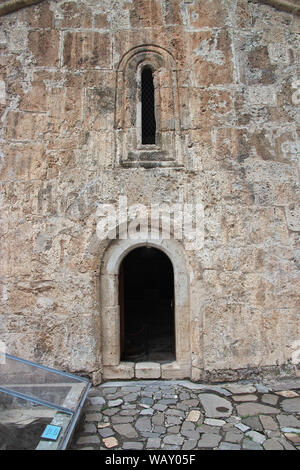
112,366
130,152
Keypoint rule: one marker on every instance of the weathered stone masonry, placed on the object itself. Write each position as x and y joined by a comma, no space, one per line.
225,77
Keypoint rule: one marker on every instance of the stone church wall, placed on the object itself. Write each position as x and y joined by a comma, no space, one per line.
230,101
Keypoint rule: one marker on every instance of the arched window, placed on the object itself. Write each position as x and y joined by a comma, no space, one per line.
147,120
148,107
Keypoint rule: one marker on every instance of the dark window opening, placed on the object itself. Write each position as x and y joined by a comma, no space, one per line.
148,108
147,306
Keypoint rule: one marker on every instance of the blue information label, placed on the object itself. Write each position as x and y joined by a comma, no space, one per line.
51,432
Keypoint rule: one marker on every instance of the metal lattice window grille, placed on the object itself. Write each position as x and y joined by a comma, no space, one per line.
148,108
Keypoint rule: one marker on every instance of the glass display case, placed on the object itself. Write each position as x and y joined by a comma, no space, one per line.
39,406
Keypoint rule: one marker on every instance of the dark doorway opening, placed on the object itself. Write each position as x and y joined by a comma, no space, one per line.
147,306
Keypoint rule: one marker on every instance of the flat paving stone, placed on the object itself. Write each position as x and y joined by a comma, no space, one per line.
229,446
173,420
191,434
173,429
288,393
204,428
147,412
233,437
272,444
228,427
184,396
160,429
242,427
170,395
197,386
188,426
187,404
121,419
143,424
150,434
288,384
113,396
109,390
86,448
209,441
268,422
253,422
292,405
102,425
89,428
194,416
294,430
113,403
233,419
286,444
191,403
242,398
132,445
153,443
190,444
111,411
130,389
255,409
270,399
147,401
131,397
126,430
175,412
272,434
160,407
251,445
256,436
167,401
97,400
214,422
220,390
93,417
173,440
288,420
110,442
106,432
158,419
261,388
215,406
129,412
92,408
293,437
240,388
147,393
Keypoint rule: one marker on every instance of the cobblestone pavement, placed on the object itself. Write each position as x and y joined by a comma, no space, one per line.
181,415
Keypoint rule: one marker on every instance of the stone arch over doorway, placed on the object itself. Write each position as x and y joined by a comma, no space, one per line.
112,366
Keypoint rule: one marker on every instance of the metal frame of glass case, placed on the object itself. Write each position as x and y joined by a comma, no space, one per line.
33,396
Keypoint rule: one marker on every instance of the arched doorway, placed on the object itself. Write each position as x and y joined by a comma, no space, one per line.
110,313
146,299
